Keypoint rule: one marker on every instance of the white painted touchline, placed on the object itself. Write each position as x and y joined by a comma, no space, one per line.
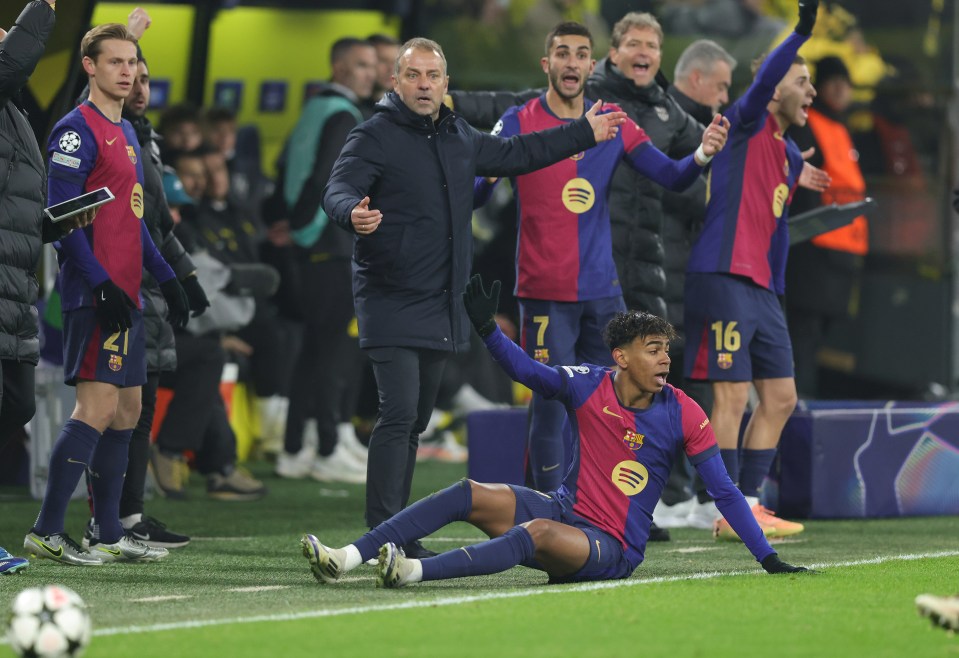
492,596
258,588
694,549
223,538
159,599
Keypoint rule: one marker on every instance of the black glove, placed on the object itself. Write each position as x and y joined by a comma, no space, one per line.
113,307
195,294
481,307
807,16
772,564
178,306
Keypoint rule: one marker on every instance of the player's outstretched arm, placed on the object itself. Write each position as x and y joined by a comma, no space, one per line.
481,309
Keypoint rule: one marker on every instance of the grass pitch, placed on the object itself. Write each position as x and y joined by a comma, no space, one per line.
241,588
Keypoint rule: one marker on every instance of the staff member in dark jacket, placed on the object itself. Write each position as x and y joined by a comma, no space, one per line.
404,185
23,227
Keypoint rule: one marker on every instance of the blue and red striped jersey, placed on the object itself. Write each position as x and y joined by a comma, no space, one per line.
564,247
751,183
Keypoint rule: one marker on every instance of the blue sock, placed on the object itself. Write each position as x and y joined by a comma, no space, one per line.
426,516
71,455
106,471
755,466
731,461
513,547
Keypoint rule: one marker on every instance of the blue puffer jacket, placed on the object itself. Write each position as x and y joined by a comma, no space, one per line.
409,275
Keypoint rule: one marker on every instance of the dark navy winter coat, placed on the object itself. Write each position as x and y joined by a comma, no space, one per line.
410,273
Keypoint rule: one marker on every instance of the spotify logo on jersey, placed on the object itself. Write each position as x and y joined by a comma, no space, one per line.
631,477
578,195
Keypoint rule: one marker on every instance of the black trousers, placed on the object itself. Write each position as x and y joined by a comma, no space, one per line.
196,418
17,397
318,383
408,380
131,498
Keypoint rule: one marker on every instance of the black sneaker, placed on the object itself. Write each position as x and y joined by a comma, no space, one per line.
151,532
658,534
416,551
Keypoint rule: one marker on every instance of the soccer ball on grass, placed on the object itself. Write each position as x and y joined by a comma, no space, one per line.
48,622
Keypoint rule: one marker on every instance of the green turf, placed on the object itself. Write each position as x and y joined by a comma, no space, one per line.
856,610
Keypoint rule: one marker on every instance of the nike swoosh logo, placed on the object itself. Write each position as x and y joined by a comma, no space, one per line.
114,553
71,460
547,469
110,141
103,296
598,551
137,535
607,411
54,553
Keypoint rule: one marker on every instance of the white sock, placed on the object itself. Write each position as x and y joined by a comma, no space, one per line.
416,575
752,501
351,558
129,521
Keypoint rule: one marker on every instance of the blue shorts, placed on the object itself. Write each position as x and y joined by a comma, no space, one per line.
735,330
568,333
90,354
607,559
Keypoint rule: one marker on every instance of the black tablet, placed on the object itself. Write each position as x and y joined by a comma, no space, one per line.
76,205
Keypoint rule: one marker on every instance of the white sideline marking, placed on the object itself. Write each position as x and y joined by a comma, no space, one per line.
258,588
694,549
491,596
158,599
223,539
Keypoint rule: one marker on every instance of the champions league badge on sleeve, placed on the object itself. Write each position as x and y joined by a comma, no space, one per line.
69,142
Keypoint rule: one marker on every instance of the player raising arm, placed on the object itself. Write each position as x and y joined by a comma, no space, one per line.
627,423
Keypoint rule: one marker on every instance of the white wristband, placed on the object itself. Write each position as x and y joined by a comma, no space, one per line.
701,156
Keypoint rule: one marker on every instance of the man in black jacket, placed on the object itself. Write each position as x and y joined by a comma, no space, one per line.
403,184
23,226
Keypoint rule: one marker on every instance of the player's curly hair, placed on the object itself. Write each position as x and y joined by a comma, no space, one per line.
626,326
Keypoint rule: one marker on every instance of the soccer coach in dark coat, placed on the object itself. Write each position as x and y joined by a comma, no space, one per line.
404,185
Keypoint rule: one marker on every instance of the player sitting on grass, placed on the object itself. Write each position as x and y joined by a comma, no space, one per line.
626,422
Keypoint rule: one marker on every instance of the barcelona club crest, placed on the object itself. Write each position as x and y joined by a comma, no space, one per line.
633,440
724,360
541,355
115,362
132,154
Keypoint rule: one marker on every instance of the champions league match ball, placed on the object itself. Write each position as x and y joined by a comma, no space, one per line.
49,622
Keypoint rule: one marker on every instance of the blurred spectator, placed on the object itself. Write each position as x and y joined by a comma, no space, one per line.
180,127
823,276
387,50
241,148
323,255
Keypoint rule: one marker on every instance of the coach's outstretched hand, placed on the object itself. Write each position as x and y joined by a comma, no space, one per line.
113,307
606,125
807,16
481,307
772,564
178,306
